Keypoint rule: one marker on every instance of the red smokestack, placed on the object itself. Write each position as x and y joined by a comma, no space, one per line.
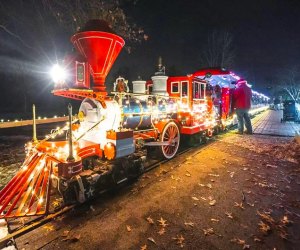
100,47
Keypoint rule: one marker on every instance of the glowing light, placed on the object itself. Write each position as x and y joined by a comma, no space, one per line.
58,74
41,200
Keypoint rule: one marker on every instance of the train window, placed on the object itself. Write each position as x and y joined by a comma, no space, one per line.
174,87
198,90
184,89
202,87
80,72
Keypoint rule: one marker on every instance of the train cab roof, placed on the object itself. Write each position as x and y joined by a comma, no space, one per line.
217,76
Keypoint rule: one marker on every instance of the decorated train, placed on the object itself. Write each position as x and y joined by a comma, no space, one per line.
109,139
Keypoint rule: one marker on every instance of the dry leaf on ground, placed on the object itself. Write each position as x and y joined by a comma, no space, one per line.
150,220
179,240
229,215
49,227
152,240
161,231
264,228
191,224
195,198
65,233
240,205
162,222
285,220
238,241
208,231
266,217
128,228
212,202
144,247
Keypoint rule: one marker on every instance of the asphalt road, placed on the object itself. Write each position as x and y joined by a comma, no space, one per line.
238,192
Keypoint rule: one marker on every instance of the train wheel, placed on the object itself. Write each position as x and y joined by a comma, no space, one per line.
170,134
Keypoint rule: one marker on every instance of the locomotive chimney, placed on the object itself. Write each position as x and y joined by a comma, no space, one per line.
98,44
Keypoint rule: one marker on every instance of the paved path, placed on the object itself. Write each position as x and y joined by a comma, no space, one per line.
269,123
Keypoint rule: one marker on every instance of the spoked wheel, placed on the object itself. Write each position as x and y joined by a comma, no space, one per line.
171,136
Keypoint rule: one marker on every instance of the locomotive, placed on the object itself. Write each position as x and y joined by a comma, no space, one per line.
109,140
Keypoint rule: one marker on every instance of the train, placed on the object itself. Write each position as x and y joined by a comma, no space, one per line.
110,138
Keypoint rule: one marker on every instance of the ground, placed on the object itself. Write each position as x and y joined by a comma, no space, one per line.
237,192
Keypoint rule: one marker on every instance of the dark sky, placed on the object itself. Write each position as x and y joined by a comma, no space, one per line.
266,34
266,39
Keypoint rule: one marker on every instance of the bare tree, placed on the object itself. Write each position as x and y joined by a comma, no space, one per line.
33,21
218,50
74,14
290,82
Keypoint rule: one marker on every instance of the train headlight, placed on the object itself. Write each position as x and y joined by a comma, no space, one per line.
58,74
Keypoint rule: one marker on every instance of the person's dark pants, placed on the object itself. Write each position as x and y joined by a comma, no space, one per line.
243,115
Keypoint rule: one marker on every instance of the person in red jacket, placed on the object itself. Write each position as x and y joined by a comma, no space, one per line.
242,103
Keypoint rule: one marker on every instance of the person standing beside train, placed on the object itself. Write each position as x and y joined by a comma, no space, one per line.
242,102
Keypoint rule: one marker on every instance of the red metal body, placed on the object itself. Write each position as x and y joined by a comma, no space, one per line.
100,49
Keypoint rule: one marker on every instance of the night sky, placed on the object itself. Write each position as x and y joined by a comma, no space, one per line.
266,40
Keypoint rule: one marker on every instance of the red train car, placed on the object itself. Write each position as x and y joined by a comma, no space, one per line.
107,139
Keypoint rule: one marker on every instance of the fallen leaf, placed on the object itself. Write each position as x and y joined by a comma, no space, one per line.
162,222
152,240
229,215
246,246
128,228
215,175
257,239
65,233
144,247
271,166
240,205
285,220
208,231
203,198
191,224
209,185
238,241
49,227
231,174
188,174
92,208
266,217
161,231
264,228
180,239
212,202
74,238
201,185
214,220
150,220
195,198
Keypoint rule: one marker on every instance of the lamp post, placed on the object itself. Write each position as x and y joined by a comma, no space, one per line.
70,140
34,139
